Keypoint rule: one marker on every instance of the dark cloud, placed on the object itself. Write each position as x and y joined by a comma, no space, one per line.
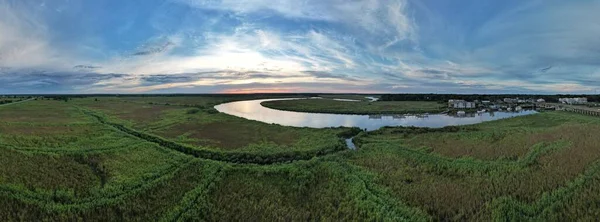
162,79
322,74
86,67
154,50
392,76
342,88
546,69
148,80
40,81
432,71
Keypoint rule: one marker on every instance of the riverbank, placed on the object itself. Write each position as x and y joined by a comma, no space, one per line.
356,107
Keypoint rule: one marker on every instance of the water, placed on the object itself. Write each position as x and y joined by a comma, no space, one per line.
251,109
347,100
372,99
350,144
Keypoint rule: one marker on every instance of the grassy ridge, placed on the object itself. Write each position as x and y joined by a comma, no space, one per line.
201,127
234,157
353,107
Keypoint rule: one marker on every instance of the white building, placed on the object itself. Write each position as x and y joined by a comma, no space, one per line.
541,101
573,101
461,104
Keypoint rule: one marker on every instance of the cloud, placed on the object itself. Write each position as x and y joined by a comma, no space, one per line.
39,81
156,50
536,36
546,69
86,67
28,41
247,50
224,45
328,75
158,45
24,39
162,79
374,16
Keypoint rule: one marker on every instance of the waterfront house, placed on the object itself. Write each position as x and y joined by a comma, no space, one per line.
573,101
460,104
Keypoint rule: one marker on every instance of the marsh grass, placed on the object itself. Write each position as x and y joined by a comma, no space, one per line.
352,107
475,184
121,158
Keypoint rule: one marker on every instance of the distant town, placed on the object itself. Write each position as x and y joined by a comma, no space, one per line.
576,104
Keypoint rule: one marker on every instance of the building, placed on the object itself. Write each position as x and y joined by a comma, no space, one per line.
511,100
460,104
541,101
573,101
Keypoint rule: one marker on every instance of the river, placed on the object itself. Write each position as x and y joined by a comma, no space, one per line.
253,110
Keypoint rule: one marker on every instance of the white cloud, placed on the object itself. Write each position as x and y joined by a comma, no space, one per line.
375,16
536,36
25,39
376,40
246,50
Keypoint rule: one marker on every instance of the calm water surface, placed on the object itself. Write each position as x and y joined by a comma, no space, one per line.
251,109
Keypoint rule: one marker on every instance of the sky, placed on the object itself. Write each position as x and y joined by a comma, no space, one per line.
335,46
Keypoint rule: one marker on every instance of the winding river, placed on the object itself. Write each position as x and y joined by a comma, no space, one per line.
253,110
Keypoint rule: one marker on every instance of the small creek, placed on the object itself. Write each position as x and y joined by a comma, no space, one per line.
350,143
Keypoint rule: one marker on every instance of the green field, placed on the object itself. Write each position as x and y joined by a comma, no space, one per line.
539,167
176,159
5,100
354,107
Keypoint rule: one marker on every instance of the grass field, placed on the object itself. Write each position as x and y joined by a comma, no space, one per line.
11,99
136,158
489,171
353,107
196,124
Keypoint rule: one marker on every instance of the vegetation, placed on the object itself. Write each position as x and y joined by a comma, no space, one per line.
122,158
356,107
497,170
4,100
199,127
